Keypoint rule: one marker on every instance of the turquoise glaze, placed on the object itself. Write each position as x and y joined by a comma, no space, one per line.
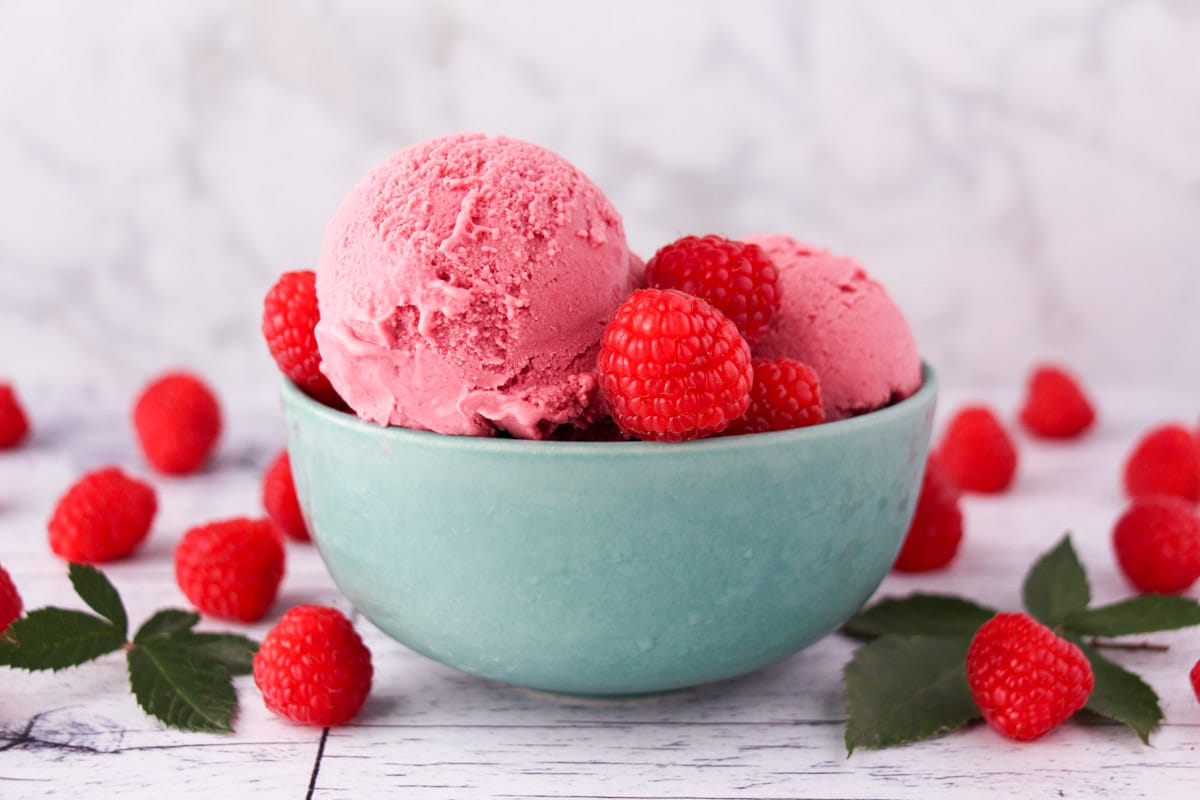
609,568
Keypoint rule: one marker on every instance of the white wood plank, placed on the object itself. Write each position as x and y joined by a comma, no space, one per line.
431,732
80,730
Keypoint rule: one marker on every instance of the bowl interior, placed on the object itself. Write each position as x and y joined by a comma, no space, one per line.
607,568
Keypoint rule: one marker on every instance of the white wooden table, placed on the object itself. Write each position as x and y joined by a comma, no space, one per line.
430,732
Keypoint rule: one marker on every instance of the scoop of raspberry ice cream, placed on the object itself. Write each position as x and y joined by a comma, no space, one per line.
464,285
838,320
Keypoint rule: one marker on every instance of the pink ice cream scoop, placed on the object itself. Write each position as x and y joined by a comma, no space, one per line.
464,285
841,323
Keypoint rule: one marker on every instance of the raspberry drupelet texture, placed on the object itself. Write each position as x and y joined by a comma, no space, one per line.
1164,461
1055,405
977,453
673,368
937,527
14,425
104,516
232,568
290,315
738,278
10,601
1024,678
313,667
279,498
786,394
178,422
1157,543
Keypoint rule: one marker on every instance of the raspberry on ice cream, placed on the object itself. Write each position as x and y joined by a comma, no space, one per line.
463,286
786,394
843,324
289,316
736,278
673,367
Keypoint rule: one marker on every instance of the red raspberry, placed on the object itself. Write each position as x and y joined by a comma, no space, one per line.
1056,408
232,568
289,316
977,453
673,368
1195,676
1157,542
1025,679
937,526
1165,461
738,278
10,601
14,425
104,516
279,498
786,394
178,422
313,667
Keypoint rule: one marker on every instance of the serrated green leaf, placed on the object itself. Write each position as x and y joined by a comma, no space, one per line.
166,622
903,689
1057,585
1145,614
94,588
1122,696
57,638
232,651
919,615
182,687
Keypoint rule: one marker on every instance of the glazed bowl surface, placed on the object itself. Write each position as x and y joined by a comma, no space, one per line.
609,568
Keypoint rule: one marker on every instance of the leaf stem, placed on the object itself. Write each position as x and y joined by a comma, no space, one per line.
1109,645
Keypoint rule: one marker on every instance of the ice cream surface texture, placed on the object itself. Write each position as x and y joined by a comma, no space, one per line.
464,285
843,324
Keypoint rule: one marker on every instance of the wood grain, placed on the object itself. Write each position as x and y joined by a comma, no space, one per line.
430,732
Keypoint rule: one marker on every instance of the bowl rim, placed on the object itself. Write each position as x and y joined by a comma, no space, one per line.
293,397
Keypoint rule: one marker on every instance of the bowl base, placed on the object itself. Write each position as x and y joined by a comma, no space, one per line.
567,698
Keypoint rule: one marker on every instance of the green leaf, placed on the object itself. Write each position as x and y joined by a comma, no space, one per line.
235,653
184,688
919,615
166,622
902,689
232,651
101,596
1122,696
57,638
1057,586
1145,614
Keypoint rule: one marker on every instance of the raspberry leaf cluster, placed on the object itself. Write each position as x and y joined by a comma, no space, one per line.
909,681
179,675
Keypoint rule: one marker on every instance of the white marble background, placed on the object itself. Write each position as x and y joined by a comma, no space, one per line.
1024,176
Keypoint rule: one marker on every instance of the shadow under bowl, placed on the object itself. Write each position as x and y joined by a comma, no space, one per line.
609,568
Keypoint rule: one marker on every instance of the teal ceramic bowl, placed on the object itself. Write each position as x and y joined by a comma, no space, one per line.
603,569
